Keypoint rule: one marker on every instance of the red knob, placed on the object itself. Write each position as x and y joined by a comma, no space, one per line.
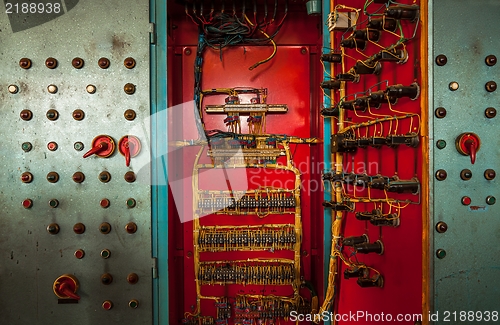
468,144
65,287
129,146
102,146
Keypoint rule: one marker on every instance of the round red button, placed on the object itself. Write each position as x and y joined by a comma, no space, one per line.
105,203
466,200
79,254
28,203
107,305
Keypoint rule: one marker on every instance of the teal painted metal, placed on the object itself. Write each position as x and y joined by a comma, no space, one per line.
468,278
158,16
327,131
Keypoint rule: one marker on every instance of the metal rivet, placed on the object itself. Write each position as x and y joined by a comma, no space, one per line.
440,112
90,89
129,63
441,227
51,63
491,86
441,175
491,60
77,63
13,89
25,63
129,88
103,63
453,85
52,89
489,174
466,174
490,112
441,59
129,115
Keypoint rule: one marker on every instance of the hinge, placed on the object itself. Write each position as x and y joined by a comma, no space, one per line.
155,268
152,33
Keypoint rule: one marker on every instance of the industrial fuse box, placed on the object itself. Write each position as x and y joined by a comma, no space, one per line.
258,162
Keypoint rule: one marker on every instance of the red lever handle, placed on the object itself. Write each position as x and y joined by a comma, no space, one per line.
65,289
101,146
471,146
129,146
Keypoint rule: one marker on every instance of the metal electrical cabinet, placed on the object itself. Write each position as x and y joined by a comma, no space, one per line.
463,103
75,232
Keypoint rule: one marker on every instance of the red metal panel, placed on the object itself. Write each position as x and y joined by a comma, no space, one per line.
401,263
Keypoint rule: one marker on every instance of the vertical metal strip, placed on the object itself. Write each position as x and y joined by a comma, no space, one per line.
327,131
159,145
426,49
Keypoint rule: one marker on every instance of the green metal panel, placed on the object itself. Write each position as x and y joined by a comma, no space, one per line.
468,277
32,258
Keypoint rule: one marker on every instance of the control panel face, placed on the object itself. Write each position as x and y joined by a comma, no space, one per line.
75,201
464,159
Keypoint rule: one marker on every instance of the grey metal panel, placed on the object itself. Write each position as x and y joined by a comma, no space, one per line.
468,278
31,259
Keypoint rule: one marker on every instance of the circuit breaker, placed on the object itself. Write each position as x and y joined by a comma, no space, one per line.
76,205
